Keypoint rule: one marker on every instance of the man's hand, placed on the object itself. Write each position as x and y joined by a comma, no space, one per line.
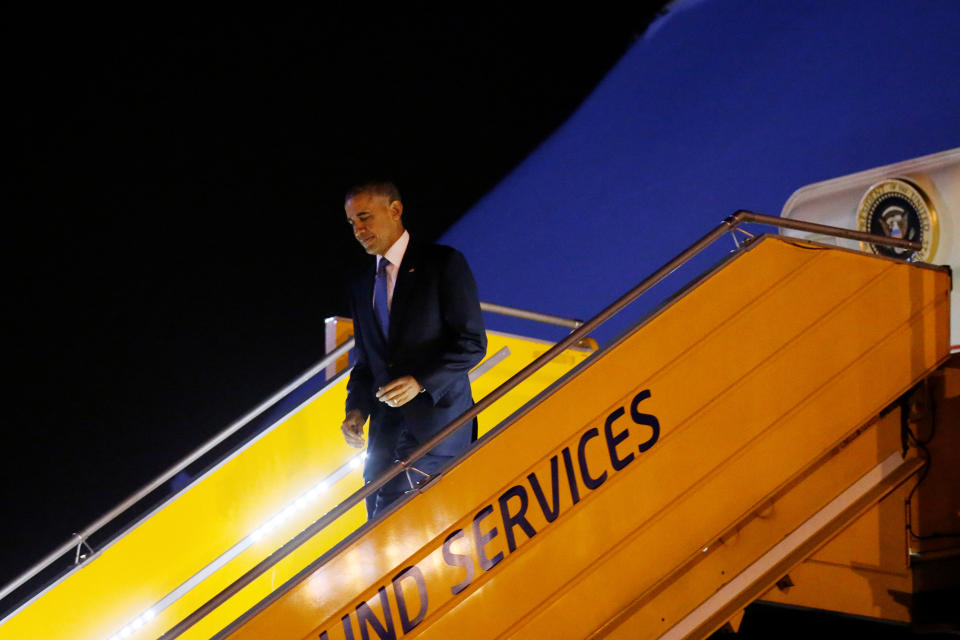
352,428
399,392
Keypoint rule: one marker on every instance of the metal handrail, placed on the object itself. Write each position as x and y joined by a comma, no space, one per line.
729,224
546,318
813,227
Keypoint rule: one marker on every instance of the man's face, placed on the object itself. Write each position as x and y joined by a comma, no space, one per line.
375,220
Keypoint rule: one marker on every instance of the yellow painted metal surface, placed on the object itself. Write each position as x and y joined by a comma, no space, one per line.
757,388
753,574
222,509
204,521
523,351
882,591
748,537
866,569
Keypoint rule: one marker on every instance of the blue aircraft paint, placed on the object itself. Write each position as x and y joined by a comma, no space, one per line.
721,105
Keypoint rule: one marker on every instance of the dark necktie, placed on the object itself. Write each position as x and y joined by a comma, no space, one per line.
380,307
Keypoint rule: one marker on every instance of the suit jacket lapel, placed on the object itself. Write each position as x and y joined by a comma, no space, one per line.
406,277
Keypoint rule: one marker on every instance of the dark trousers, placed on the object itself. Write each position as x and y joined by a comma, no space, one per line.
407,480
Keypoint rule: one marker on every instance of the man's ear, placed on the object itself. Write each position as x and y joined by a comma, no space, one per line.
396,209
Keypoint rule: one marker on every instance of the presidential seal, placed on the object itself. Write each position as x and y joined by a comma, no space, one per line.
899,209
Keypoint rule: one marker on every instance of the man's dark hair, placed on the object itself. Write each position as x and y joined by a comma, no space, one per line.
376,187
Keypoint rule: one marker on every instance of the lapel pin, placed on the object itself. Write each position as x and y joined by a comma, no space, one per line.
411,270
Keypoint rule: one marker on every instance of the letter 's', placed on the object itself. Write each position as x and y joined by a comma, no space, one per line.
645,419
458,560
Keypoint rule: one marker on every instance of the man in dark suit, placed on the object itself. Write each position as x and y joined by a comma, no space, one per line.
419,331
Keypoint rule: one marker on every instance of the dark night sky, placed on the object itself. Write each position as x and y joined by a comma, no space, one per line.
174,232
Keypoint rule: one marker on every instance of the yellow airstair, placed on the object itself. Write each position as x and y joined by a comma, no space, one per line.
737,445
229,518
